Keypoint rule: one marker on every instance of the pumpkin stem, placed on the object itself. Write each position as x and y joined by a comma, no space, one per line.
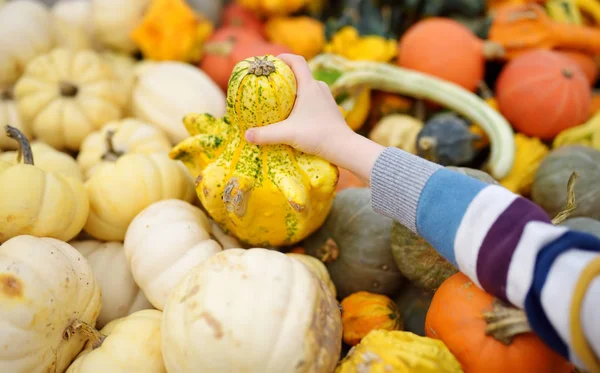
571,203
420,110
111,153
24,151
504,323
493,50
7,94
261,66
221,48
328,252
89,332
68,89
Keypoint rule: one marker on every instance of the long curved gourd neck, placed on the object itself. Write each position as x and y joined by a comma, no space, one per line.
24,152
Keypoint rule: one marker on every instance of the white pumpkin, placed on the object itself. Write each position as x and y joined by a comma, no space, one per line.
128,136
252,311
120,190
115,19
317,268
166,91
130,345
163,243
123,68
49,301
73,26
10,115
48,159
120,294
65,95
26,31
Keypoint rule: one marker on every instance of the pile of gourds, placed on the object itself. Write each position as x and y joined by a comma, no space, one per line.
140,232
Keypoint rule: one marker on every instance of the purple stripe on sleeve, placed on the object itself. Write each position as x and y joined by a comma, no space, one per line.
500,243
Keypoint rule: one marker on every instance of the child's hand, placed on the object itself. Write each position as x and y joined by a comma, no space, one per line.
313,123
316,126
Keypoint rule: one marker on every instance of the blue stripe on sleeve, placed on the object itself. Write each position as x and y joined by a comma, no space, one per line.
436,224
533,306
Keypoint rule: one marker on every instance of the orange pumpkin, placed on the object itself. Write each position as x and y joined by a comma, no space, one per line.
542,93
585,62
445,49
303,35
348,180
595,107
457,316
364,311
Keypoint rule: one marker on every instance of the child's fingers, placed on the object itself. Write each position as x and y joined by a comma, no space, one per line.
277,133
299,67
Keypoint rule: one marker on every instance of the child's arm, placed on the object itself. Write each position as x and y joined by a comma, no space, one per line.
503,242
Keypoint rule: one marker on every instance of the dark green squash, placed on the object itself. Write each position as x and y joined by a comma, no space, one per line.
417,260
354,243
446,139
587,225
477,174
441,8
413,304
550,183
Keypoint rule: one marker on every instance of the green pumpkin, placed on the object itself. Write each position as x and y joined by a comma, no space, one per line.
354,243
549,188
417,260
587,225
413,304
477,174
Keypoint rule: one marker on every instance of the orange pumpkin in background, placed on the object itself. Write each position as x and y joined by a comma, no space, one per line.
457,316
542,93
218,60
422,46
595,107
348,180
235,15
585,62
259,48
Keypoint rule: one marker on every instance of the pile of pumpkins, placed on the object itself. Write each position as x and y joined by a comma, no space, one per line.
140,232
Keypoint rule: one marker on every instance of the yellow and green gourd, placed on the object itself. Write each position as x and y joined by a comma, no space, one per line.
265,195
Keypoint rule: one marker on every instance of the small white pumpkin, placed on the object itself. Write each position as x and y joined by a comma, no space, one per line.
120,190
166,91
49,301
252,311
10,115
26,31
48,159
73,26
120,137
120,294
128,345
115,19
123,67
65,95
397,130
163,243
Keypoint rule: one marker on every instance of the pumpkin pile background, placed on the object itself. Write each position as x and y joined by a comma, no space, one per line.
114,119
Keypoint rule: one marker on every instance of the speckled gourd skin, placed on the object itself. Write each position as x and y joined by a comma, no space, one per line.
265,195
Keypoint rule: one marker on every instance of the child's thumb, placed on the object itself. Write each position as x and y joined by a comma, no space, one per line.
278,133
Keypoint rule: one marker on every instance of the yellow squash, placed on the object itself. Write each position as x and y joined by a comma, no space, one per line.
348,43
37,202
530,151
587,134
383,351
303,35
265,195
273,7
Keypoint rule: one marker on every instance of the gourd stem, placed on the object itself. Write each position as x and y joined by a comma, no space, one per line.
328,252
485,91
493,50
68,89
571,203
428,144
504,323
24,151
420,110
261,66
111,153
90,333
221,48
7,94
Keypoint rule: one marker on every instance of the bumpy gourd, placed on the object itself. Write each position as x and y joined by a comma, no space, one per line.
265,195
530,153
399,352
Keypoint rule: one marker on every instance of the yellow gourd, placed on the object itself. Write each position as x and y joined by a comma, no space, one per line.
37,202
587,134
171,30
383,351
273,7
265,195
356,109
303,35
349,44
317,268
398,130
530,152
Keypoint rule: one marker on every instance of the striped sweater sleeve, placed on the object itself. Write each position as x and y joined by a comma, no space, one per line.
504,243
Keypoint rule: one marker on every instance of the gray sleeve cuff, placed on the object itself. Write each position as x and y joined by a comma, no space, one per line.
397,180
